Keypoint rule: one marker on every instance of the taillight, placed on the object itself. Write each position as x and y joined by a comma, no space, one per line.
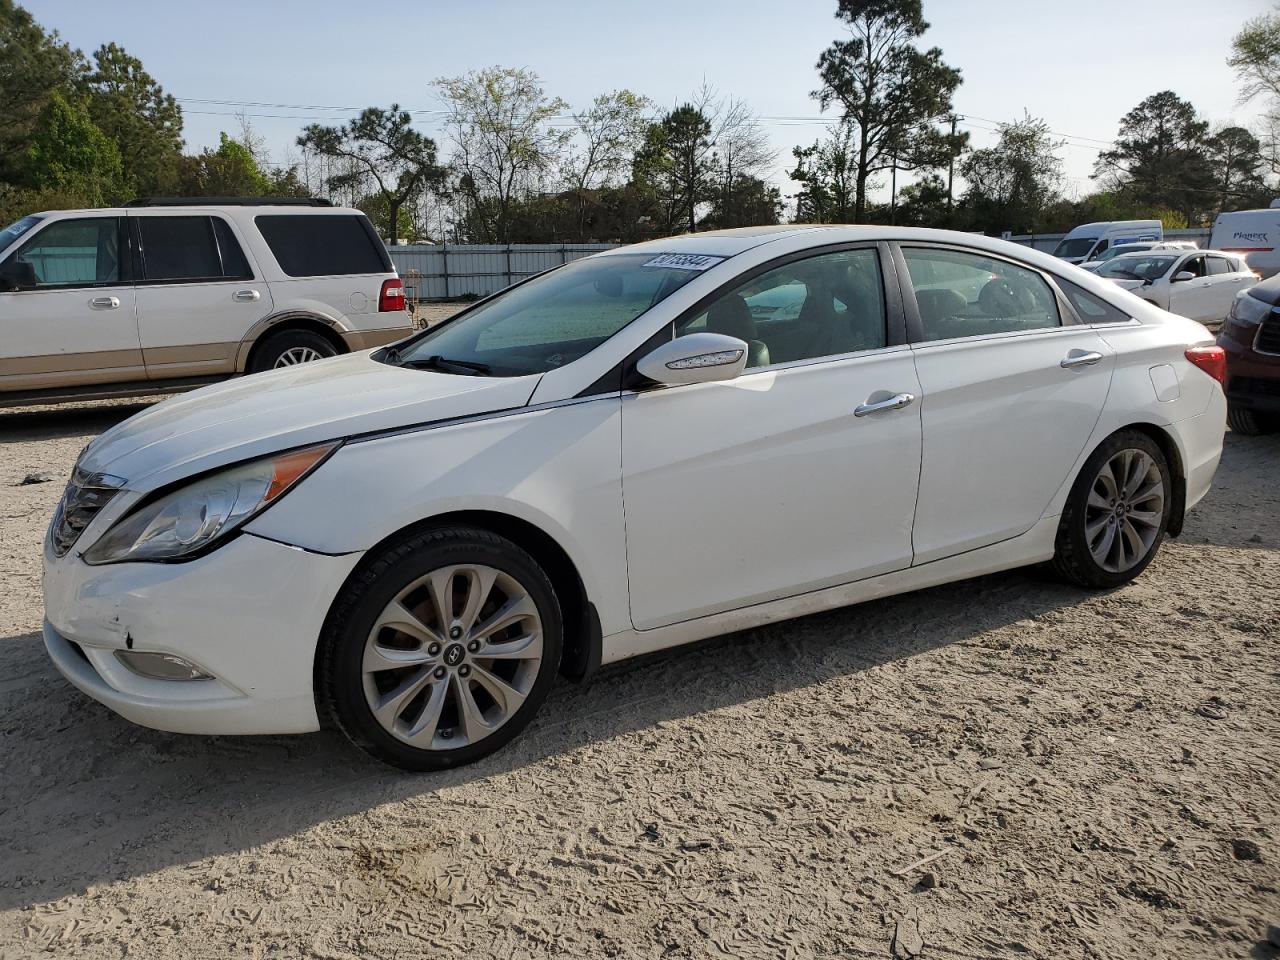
392,295
1212,360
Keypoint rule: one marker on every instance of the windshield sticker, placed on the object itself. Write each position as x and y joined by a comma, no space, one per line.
682,261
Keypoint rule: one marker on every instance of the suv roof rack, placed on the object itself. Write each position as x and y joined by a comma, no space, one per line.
229,202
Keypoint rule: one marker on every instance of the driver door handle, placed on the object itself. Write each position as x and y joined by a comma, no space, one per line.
893,403
1079,360
104,303
246,296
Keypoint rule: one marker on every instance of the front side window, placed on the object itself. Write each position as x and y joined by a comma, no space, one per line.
972,295
552,319
1194,266
179,248
324,245
821,306
75,253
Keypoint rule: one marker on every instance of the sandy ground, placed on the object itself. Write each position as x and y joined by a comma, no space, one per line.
1094,775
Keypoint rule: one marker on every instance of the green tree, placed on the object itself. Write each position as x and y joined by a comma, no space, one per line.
381,148
378,210
675,163
133,110
608,133
924,204
826,172
229,171
1011,184
1161,157
889,91
504,147
67,153
1237,161
33,64
748,202
1255,56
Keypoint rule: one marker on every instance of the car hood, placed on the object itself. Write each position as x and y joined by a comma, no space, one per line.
1125,284
254,416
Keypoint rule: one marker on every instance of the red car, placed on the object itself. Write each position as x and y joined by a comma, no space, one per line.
1251,338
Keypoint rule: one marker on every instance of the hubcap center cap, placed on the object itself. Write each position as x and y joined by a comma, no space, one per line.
454,654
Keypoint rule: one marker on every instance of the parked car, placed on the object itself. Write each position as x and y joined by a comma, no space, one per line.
1251,338
633,451
1090,240
1254,234
1200,284
1137,247
161,296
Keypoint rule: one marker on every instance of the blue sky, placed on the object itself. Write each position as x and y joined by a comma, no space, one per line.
1079,65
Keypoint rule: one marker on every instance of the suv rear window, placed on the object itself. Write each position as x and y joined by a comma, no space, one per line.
323,245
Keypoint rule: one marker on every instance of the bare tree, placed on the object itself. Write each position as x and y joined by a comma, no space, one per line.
609,133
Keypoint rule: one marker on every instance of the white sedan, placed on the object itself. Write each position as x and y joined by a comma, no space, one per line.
640,449
1200,284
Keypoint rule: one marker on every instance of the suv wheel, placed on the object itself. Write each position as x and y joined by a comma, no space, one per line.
1117,513
290,348
441,650
1249,422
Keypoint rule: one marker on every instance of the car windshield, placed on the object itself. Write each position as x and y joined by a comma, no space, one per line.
1077,247
552,319
1136,268
1123,248
15,230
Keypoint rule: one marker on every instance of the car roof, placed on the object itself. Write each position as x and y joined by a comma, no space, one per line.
188,208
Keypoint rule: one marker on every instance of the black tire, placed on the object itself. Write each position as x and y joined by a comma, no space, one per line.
277,345
340,691
1250,423
1073,560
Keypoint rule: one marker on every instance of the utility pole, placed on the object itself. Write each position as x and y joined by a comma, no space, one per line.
951,163
893,192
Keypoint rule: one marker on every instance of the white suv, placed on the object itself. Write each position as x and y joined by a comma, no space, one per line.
163,295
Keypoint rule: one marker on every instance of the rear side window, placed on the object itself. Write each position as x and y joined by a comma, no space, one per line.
1091,308
179,248
1219,266
324,245
234,264
972,295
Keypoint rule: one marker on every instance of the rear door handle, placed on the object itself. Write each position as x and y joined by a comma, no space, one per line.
893,403
104,303
1078,359
246,296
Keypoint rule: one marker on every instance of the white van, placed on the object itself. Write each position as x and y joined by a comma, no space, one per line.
1254,233
1087,241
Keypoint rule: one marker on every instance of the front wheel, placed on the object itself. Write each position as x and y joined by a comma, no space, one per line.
1250,423
1117,513
441,650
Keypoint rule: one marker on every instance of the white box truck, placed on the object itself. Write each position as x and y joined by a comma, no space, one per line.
1253,233
1087,241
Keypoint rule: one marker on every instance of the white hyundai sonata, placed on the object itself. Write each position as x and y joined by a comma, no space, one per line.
640,449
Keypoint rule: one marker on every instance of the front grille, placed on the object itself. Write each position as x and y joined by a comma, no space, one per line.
85,496
1269,335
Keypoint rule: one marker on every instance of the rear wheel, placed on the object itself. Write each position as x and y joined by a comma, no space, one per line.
1250,422
289,348
1117,513
442,650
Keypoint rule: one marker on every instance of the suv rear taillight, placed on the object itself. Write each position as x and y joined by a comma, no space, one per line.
392,295
1212,360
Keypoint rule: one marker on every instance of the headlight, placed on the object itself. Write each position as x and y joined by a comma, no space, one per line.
1248,310
191,518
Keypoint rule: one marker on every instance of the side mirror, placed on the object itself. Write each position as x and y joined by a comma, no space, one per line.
695,358
1182,276
17,275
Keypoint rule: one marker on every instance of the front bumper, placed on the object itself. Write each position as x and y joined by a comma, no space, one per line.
249,614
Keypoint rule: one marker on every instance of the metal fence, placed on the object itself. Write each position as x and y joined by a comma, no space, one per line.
1048,242
439,272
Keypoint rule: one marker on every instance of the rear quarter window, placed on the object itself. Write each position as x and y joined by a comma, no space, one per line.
322,245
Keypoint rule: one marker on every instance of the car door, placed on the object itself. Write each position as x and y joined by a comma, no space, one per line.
799,474
1227,277
198,294
1193,298
1011,390
76,325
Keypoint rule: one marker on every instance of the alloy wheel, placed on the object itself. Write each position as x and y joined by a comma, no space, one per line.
295,355
452,657
1124,511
